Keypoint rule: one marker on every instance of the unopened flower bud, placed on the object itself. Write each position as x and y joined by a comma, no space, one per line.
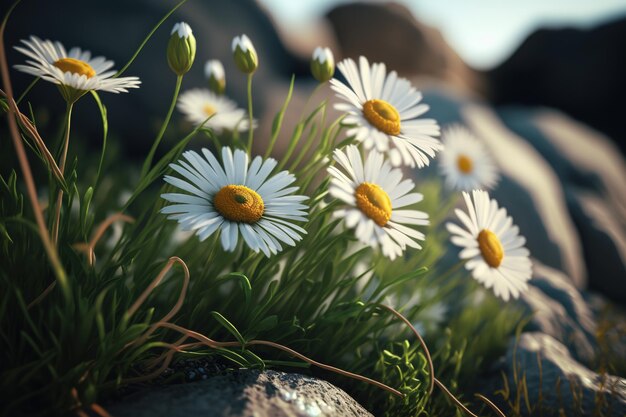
181,49
245,54
322,64
214,71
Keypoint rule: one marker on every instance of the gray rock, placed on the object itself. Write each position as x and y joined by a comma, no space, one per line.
559,310
242,393
557,384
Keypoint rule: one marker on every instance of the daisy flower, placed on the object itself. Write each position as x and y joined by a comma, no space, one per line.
492,246
199,103
236,198
75,72
376,193
465,162
384,110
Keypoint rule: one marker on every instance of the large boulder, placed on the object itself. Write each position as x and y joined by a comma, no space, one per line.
553,383
577,70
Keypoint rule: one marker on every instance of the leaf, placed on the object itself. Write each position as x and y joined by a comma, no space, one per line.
229,326
244,283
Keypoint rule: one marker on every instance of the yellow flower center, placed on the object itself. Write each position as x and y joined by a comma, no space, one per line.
75,66
374,202
490,247
464,164
383,116
208,110
239,203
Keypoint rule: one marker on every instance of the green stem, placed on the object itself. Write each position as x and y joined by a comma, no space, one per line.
250,129
120,72
155,145
66,144
30,86
308,100
105,129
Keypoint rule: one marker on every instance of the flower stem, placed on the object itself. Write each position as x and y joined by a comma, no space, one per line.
250,132
155,145
66,143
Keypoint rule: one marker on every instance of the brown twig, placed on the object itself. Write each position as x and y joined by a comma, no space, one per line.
41,296
99,410
49,247
490,404
140,300
431,367
453,398
30,128
89,247
59,202
215,344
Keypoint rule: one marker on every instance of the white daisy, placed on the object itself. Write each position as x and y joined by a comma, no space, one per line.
76,72
385,109
492,246
236,198
465,162
199,103
376,192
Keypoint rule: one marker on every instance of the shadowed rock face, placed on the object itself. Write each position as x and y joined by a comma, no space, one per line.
390,33
578,71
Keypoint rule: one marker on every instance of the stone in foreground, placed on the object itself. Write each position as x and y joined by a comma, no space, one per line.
243,393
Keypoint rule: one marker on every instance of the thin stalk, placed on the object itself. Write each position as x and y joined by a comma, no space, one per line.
49,247
278,121
309,98
250,120
125,67
155,145
30,86
59,202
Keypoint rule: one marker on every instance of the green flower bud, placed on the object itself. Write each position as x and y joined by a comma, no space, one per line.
214,71
322,64
245,54
181,49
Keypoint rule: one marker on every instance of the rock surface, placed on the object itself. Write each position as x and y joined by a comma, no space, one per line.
243,393
559,385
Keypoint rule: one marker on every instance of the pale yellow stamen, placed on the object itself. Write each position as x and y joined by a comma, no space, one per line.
383,116
374,202
75,66
464,164
208,110
239,203
490,248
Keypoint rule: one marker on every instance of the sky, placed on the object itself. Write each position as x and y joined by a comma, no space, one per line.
483,32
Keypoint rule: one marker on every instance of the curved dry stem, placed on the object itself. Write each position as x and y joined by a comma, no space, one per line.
49,247
174,259
41,296
490,404
59,202
99,410
35,136
156,373
175,346
89,247
431,367
453,398
215,344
